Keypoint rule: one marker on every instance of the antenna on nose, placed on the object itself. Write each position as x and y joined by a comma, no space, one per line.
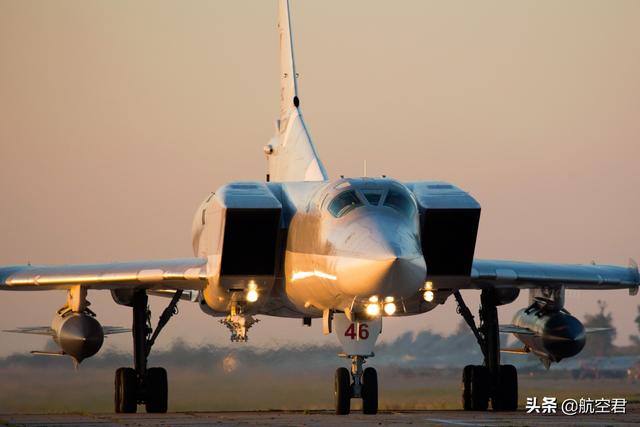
364,168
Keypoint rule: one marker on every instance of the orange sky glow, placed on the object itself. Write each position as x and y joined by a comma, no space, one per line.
117,118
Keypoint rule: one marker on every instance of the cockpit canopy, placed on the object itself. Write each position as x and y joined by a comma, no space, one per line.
344,203
377,194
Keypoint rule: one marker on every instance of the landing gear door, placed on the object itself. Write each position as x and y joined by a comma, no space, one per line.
357,338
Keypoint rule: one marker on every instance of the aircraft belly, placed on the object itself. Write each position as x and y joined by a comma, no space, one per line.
278,304
310,283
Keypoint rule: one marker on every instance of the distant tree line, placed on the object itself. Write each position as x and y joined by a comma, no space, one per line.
600,343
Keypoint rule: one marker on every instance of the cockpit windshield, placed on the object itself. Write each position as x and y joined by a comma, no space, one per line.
400,202
343,203
391,196
373,196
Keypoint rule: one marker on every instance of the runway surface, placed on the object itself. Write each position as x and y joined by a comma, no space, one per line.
324,418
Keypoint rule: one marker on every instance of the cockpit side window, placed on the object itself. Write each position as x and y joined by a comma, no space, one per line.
373,196
400,202
343,203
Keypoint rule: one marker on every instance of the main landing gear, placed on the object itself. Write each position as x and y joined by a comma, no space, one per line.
364,386
142,385
490,381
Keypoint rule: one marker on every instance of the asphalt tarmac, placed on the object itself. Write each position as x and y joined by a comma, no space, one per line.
325,418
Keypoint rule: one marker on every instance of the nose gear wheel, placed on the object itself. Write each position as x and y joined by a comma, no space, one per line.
357,383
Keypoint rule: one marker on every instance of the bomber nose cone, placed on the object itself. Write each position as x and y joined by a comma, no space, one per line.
382,267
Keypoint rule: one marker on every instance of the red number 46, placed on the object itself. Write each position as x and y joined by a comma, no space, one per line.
363,331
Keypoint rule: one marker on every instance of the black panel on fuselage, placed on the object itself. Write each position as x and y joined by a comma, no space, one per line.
250,238
449,219
449,240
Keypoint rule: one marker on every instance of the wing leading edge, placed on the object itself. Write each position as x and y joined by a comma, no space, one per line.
528,275
189,273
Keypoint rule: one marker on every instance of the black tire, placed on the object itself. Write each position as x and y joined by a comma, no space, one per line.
342,391
475,388
370,391
126,401
480,386
157,391
467,403
506,398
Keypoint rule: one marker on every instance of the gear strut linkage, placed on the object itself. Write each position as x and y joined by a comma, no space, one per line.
464,311
171,310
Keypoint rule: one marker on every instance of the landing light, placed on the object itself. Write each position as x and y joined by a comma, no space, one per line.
428,296
373,309
373,298
252,293
389,308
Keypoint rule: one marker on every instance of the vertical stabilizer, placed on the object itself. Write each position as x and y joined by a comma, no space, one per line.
291,153
288,77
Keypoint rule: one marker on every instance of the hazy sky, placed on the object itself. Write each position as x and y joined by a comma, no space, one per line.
117,118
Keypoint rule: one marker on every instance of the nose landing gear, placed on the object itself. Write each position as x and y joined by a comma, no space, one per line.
364,386
238,323
358,338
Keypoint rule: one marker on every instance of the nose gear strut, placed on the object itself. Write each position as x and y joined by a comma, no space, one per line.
358,339
356,375
238,323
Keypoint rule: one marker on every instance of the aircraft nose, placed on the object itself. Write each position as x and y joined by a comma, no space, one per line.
393,276
381,258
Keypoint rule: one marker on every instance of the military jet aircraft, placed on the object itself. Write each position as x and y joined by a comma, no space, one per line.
348,251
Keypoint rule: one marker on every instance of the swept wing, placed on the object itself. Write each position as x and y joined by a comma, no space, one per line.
189,273
528,275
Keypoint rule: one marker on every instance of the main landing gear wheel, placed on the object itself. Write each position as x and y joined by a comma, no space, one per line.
490,381
157,390
126,389
142,385
342,391
370,391
506,395
475,388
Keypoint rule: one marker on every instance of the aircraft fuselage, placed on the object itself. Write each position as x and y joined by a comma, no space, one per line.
339,244
355,239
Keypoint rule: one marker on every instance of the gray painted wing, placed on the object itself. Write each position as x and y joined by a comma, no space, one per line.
190,273
490,273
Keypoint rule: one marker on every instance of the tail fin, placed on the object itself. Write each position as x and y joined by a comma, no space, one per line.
288,75
291,153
